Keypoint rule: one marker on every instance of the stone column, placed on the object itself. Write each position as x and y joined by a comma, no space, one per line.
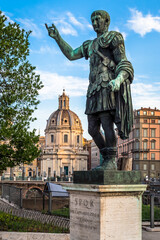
103,212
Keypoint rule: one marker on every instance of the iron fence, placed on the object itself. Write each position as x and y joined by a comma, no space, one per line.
52,179
12,194
151,207
57,203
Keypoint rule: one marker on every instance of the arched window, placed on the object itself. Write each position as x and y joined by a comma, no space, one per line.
136,144
52,138
65,138
77,138
153,144
145,144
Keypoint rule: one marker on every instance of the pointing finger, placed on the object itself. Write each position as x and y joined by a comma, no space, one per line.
46,26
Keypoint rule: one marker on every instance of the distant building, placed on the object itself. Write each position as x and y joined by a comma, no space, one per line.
22,171
95,155
143,146
41,146
32,169
63,152
87,146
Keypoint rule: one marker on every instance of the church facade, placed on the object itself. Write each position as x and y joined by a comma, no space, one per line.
63,152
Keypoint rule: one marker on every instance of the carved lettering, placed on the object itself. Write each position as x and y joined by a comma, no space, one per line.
84,202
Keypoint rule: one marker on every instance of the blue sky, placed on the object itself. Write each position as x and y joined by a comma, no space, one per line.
138,21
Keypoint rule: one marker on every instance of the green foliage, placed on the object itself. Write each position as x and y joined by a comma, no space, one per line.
19,86
8,222
61,212
146,213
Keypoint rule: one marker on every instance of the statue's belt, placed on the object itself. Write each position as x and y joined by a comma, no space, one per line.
102,81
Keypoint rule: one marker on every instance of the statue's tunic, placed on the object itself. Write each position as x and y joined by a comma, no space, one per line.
107,59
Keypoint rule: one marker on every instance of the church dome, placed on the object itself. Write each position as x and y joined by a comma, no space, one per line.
63,117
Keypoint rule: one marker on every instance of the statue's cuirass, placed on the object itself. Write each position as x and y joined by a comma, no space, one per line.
102,67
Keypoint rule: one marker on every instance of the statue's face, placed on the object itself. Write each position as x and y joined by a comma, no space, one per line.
98,23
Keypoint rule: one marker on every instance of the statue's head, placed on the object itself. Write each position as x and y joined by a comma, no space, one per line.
100,20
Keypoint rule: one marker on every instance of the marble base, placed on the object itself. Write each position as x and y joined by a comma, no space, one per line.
103,212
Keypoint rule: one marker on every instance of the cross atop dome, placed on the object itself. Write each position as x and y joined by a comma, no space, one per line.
64,91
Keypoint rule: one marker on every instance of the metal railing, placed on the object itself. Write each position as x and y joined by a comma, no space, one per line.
12,194
53,179
140,150
51,197
151,206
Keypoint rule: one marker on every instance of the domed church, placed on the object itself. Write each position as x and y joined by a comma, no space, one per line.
63,152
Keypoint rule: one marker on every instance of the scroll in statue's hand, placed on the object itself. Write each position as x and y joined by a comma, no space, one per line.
52,31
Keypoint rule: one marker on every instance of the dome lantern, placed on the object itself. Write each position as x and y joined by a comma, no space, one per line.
63,101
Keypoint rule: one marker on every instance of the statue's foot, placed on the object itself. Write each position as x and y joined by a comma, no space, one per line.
106,165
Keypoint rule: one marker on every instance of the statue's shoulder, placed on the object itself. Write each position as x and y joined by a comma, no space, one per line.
87,43
111,38
117,39
85,48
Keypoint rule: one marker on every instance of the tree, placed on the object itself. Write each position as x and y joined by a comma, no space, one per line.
19,86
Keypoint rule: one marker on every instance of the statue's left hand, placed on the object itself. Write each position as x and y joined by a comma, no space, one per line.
114,85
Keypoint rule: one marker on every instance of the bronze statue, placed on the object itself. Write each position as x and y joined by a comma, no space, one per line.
108,96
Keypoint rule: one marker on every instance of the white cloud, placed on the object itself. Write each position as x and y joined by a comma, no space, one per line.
44,50
143,24
146,95
68,24
75,86
74,21
67,29
123,33
142,76
84,66
30,25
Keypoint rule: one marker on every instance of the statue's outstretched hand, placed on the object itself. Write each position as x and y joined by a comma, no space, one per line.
52,31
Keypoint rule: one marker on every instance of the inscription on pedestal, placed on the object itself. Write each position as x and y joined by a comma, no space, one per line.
84,217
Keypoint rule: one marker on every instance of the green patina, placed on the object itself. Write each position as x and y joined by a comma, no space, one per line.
109,84
107,177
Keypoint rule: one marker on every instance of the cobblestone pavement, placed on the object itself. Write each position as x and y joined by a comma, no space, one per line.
30,214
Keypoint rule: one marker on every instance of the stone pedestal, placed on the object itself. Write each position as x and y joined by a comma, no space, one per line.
103,212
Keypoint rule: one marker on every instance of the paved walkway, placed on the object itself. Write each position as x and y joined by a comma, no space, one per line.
150,235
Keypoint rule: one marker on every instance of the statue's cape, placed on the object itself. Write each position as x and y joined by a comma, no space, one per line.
124,109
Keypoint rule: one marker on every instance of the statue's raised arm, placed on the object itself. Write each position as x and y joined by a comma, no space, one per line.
65,47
